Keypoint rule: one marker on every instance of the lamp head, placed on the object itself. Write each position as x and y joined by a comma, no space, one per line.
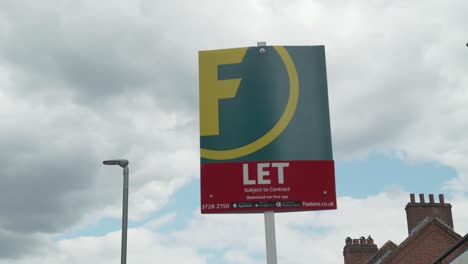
121,162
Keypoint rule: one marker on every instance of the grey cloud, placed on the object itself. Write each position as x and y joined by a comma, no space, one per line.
52,175
87,82
29,243
384,82
36,187
94,55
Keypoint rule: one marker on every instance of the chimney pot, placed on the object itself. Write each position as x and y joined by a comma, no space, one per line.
359,250
348,241
421,198
415,213
412,198
362,240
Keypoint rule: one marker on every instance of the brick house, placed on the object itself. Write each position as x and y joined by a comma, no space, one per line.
431,239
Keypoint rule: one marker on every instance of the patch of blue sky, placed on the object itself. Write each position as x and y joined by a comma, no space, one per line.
213,255
219,255
356,178
311,231
102,227
361,178
183,203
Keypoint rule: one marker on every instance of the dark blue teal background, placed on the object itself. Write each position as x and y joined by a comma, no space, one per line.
261,100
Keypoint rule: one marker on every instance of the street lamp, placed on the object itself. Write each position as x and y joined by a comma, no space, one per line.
124,164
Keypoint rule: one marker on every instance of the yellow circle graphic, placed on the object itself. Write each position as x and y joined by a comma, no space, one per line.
279,126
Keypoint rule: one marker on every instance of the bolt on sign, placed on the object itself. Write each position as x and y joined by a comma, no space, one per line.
265,130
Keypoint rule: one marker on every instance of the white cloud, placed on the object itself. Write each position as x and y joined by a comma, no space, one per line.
157,223
301,236
239,238
143,247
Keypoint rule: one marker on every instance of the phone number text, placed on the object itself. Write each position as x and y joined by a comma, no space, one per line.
215,206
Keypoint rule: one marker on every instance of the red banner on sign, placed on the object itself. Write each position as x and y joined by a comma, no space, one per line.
280,186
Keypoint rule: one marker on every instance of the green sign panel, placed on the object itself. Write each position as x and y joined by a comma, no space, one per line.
264,103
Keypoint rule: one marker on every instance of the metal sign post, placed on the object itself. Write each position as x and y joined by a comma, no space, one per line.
270,234
270,237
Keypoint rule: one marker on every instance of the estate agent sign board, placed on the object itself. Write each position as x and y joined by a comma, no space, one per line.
265,140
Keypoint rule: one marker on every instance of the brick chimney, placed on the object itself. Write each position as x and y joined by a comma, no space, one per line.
417,212
359,251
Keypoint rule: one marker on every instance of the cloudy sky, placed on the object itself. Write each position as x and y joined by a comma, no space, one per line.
82,81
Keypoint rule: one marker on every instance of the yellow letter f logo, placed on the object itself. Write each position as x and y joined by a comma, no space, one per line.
212,89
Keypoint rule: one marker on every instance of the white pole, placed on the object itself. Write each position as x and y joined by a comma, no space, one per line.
270,235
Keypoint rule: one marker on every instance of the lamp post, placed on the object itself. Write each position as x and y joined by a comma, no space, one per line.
124,164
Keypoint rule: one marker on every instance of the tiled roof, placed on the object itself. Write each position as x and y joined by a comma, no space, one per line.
414,233
424,222
383,252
